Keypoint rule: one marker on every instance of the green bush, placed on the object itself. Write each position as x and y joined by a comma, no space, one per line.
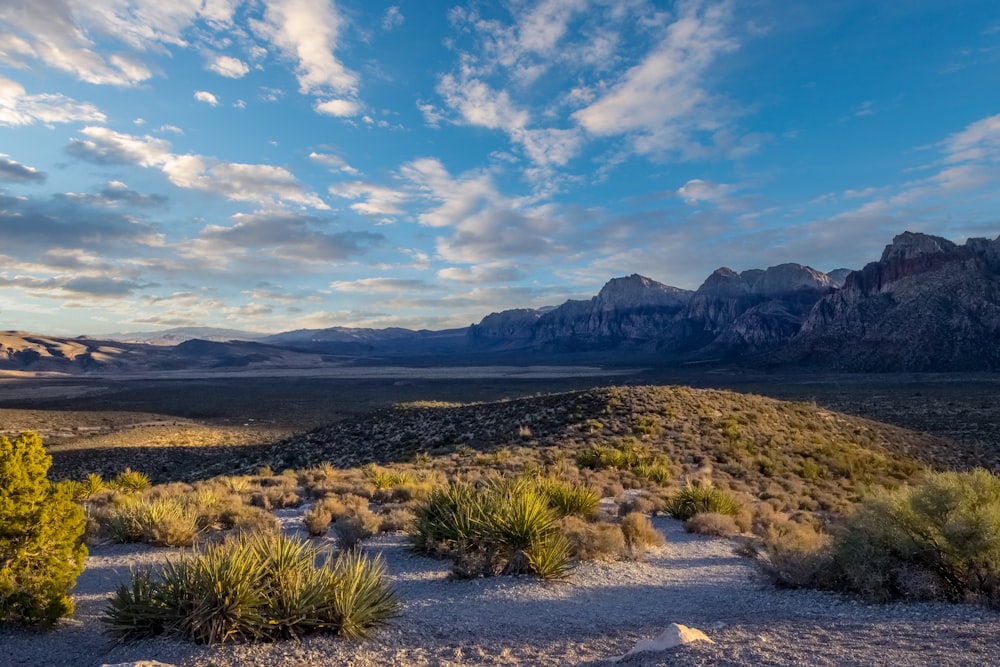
258,587
940,539
130,481
697,498
504,526
41,535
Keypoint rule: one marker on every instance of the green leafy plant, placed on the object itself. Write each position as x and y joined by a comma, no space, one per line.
41,529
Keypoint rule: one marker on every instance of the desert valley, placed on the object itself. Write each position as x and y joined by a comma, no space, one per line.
713,484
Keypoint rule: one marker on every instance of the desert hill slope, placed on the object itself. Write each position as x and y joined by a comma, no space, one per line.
749,444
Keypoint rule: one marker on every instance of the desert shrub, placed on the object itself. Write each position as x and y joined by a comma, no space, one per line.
383,479
130,481
41,530
161,521
940,539
710,523
500,527
696,498
593,541
627,455
792,555
639,534
317,520
394,519
566,498
636,503
243,519
253,588
352,529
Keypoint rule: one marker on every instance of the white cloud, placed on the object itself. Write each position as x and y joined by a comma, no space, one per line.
230,67
662,101
697,190
393,18
284,235
979,141
19,108
64,34
378,199
206,97
331,161
482,273
479,104
379,285
339,108
259,183
482,224
12,170
307,31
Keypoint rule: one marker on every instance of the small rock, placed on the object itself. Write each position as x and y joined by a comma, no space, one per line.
673,636
139,663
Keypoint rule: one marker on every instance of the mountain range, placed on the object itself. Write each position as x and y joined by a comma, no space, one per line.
927,304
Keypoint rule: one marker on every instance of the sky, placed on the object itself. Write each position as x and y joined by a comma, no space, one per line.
270,165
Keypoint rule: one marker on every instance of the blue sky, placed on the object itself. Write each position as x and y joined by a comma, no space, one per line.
282,164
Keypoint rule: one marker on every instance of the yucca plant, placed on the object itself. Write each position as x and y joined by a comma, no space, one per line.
696,498
361,597
567,498
92,485
488,530
259,587
551,558
130,481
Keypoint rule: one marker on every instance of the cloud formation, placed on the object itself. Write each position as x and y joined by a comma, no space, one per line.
229,67
17,107
11,170
260,183
286,235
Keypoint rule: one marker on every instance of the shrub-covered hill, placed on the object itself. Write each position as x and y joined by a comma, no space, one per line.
794,455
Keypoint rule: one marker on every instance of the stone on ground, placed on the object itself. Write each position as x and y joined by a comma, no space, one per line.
673,636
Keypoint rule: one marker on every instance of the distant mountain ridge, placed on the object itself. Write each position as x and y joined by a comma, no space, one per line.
927,304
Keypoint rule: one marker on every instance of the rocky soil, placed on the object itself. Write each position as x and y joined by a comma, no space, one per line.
591,620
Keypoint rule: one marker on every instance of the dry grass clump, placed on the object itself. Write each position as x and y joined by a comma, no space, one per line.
712,524
639,535
175,514
600,541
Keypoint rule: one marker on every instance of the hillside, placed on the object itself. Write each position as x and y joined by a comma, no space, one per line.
795,455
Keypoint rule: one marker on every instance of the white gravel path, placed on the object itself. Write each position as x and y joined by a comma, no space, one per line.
598,615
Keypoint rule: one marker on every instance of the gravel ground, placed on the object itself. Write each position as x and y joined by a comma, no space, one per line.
600,614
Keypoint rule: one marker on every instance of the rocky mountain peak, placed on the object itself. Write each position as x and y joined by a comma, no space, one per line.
724,282
787,278
636,290
838,276
910,245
